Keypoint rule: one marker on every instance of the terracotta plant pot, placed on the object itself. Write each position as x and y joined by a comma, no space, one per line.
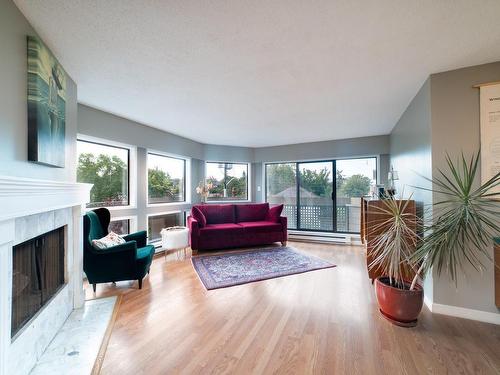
399,306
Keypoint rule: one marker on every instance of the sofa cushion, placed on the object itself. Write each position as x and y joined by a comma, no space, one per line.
274,213
260,226
199,216
218,213
251,212
221,229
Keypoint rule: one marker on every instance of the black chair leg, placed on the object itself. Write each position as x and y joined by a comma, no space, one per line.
140,283
94,287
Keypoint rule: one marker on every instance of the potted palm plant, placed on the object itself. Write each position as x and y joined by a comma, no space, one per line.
399,296
464,221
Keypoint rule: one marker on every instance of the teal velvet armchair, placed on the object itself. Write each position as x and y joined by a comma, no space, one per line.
129,261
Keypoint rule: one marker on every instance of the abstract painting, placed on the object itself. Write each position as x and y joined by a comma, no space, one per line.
46,106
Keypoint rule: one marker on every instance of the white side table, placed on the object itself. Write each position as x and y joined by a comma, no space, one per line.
175,238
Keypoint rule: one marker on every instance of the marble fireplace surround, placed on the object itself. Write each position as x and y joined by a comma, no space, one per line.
29,208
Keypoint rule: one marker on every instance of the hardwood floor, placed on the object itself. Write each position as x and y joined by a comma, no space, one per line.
320,322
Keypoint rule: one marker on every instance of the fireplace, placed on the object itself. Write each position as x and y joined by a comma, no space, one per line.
37,275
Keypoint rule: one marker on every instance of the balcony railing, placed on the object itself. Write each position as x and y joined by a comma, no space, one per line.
320,217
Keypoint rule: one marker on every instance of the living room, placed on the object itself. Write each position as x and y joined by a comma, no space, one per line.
231,187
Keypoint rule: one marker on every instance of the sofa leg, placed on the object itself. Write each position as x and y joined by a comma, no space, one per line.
283,243
140,283
194,252
94,287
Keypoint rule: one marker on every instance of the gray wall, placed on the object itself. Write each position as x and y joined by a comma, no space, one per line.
343,148
99,124
104,125
13,104
95,123
336,149
444,117
228,153
411,155
455,128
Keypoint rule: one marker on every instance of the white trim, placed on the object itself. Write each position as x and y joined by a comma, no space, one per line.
167,204
346,238
461,312
228,201
428,302
26,196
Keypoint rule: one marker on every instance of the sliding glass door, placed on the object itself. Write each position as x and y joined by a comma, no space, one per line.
321,196
281,188
315,196
355,177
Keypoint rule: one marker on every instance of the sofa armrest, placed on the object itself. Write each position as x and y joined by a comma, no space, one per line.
194,232
140,237
284,226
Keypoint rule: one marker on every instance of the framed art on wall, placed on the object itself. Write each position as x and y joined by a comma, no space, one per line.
490,131
46,106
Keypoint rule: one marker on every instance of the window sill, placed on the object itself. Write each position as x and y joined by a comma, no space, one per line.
112,208
229,201
169,204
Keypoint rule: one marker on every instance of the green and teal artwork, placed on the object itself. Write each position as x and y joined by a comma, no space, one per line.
46,106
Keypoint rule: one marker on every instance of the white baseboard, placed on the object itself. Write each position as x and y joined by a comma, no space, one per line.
461,312
428,302
350,239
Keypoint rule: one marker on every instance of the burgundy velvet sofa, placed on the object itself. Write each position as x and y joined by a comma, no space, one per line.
219,226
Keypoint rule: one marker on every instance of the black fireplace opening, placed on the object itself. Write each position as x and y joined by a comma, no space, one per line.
38,274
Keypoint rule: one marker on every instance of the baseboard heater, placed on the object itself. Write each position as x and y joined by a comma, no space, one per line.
351,239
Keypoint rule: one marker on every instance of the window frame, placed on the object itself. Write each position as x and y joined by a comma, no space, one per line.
334,188
157,243
187,179
249,179
132,169
132,219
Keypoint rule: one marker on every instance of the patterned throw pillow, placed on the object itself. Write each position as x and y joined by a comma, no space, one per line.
112,239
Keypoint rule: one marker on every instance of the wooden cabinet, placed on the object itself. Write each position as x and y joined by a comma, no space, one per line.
371,226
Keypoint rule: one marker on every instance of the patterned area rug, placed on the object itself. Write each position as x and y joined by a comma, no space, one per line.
223,270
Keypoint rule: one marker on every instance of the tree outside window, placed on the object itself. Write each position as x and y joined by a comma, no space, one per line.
166,179
107,168
229,181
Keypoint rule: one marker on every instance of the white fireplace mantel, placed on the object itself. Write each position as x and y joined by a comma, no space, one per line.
29,207
25,196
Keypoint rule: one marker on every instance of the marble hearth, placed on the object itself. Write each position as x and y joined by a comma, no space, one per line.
30,208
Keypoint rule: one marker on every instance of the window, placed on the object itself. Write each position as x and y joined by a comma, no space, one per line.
229,181
107,168
321,196
121,226
166,179
158,222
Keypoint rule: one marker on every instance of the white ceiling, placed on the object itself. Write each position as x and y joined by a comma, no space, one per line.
262,72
